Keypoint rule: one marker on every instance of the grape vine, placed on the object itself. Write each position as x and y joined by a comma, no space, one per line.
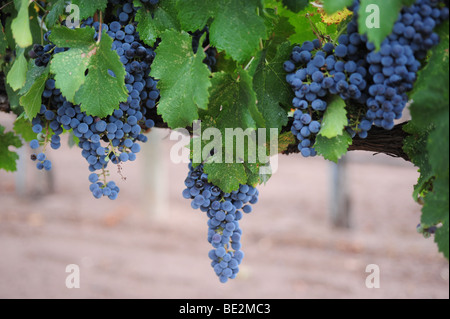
314,72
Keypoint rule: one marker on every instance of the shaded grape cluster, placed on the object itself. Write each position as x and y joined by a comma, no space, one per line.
210,52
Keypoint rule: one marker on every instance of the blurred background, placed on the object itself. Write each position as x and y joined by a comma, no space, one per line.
314,231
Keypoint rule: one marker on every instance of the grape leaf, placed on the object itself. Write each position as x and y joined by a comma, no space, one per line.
32,100
193,14
184,79
237,29
151,24
303,23
20,26
436,205
431,109
233,110
18,74
332,6
333,149
387,15
295,5
430,96
13,99
56,11
89,8
98,92
35,25
442,235
7,158
233,102
3,42
23,127
226,176
271,89
415,146
334,119
282,30
33,73
438,146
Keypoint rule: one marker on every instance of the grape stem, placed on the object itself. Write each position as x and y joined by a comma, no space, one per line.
100,28
4,6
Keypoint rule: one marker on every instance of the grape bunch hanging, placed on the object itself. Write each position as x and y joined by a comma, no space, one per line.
376,82
116,138
224,211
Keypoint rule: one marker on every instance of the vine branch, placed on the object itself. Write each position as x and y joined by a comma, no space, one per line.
379,140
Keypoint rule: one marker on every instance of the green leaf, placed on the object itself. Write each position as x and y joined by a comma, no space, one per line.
333,149
387,15
415,146
32,100
70,67
332,6
56,11
436,205
8,32
295,5
438,146
303,22
334,119
226,176
430,120
233,102
89,8
24,128
164,18
35,25
17,75
98,92
7,158
20,26
282,30
271,89
13,99
194,14
441,238
237,29
430,96
3,42
34,72
184,79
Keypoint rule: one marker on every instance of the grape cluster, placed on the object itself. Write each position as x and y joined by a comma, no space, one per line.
393,70
376,82
43,54
103,140
126,11
426,231
210,52
224,211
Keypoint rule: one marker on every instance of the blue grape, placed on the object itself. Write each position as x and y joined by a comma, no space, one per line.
224,212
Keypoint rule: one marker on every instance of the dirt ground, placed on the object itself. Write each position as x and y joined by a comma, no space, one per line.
140,247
